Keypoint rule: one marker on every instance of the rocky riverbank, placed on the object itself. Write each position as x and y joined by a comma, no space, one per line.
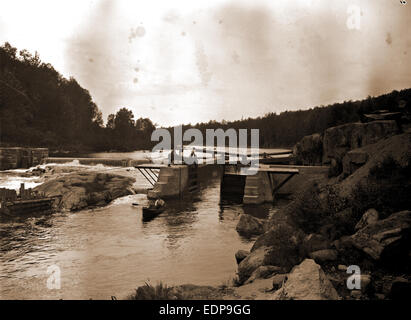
359,217
87,189
79,186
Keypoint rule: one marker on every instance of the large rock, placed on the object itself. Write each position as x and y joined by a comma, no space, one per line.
353,160
263,272
249,225
396,148
315,242
339,140
309,150
254,260
283,243
307,281
240,255
387,239
87,189
369,217
325,255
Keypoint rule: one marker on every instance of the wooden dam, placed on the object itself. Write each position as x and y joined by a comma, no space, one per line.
270,178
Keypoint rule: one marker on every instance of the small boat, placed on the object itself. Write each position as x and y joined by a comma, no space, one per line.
20,207
152,212
26,202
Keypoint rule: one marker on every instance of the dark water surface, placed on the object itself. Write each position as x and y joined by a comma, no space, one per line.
109,251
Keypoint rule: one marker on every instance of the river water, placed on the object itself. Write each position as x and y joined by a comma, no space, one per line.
109,251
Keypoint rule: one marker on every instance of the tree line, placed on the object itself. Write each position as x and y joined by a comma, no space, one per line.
289,127
39,107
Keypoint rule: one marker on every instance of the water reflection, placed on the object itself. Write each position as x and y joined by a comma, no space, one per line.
109,251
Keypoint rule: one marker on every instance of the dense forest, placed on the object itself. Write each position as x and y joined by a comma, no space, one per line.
39,107
287,128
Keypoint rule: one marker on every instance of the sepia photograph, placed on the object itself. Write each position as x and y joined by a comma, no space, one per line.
223,151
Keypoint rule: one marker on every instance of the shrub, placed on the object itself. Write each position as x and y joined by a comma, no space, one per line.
387,189
158,292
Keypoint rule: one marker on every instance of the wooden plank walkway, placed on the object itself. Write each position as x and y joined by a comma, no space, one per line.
235,170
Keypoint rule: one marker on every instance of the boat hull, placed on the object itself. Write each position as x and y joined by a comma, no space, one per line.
150,213
22,207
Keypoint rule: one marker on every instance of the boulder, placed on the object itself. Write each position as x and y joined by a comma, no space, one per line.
284,246
263,272
369,217
324,255
254,260
87,189
307,281
249,225
315,242
353,160
339,140
386,239
309,150
394,152
240,255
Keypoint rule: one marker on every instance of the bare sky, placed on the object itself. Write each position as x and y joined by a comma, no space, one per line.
185,61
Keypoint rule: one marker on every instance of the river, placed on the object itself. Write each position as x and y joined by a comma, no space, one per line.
109,251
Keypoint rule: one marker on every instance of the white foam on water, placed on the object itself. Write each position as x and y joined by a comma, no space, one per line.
134,198
13,182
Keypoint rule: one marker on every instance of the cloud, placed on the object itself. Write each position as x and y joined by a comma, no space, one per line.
95,55
237,59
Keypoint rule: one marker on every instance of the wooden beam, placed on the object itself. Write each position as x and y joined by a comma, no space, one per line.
282,183
151,176
145,176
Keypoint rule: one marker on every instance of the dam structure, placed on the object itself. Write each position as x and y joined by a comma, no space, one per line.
21,158
274,175
236,186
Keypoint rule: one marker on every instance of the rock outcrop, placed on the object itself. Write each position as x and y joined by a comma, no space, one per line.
353,160
249,225
263,272
307,281
309,150
394,149
369,217
283,246
87,189
240,255
254,260
314,242
341,139
325,255
386,239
